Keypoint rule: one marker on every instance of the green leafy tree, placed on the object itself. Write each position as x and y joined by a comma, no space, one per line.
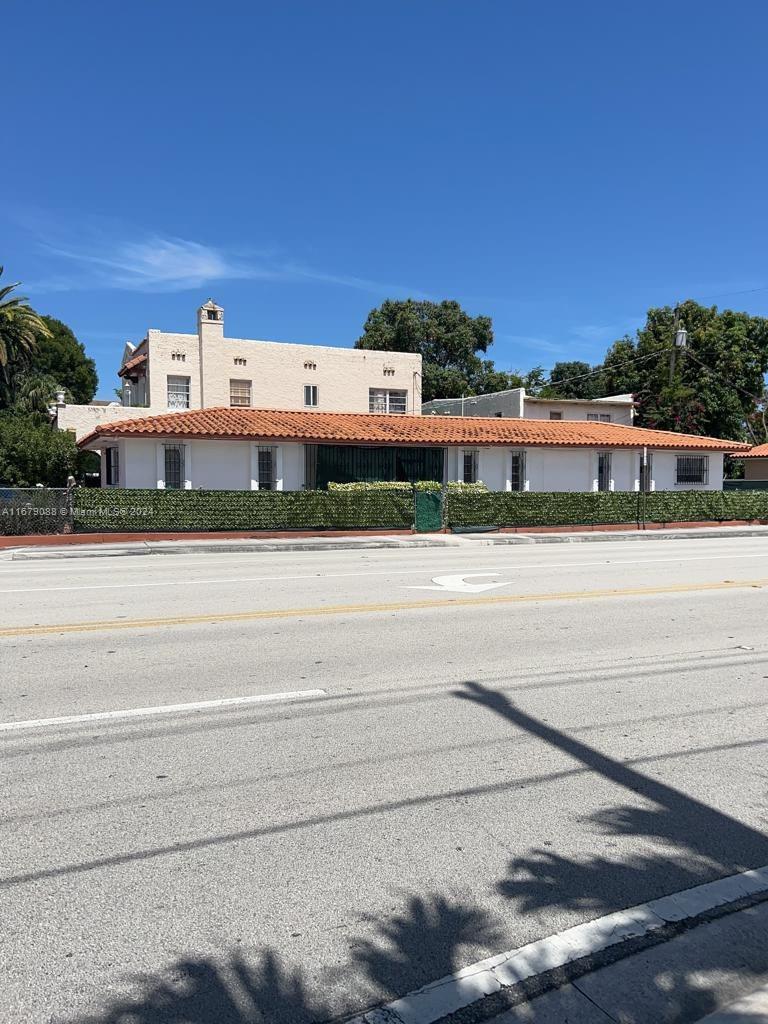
717,380
445,336
32,452
21,331
575,379
61,357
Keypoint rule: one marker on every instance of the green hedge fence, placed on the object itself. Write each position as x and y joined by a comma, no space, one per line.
151,511
358,507
602,509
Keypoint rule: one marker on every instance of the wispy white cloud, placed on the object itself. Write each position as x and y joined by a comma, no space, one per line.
532,342
594,333
158,263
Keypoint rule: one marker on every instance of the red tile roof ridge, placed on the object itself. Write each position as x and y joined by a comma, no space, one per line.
223,422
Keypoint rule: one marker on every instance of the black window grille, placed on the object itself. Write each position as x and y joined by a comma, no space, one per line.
266,470
692,469
174,467
517,475
113,467
604,471
469,475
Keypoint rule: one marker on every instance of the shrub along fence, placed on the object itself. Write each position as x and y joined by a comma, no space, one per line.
604,508
154,511
357,507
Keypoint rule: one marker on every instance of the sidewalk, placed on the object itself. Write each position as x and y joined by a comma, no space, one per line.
103,545
715,973
672,960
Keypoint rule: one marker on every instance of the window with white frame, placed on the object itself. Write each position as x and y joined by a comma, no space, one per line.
240,393
386,401
469,466
173,458
310,395
517,472
266,468
112,466
603,417
178,392
604,471
692,469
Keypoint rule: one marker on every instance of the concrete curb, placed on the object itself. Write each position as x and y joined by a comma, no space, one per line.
464,540
590,945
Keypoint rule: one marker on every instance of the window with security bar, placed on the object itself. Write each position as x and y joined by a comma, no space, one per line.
692,469
266,469
469,468
174,467
517,473
604,471
240,394
112,456
385,401
178,392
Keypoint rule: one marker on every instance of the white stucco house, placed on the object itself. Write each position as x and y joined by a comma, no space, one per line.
170,372
252,449
515,402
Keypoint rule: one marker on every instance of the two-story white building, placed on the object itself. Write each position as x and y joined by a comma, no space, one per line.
176,372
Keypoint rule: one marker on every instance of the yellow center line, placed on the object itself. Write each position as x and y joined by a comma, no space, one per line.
358,609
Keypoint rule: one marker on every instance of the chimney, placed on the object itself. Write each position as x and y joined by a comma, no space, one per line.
210,322
210,331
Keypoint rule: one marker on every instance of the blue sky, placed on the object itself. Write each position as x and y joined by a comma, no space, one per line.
560,167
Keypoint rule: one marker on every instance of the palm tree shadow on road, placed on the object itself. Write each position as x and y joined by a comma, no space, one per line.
429,937
699,843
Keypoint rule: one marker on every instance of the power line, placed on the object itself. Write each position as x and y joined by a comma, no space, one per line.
601,369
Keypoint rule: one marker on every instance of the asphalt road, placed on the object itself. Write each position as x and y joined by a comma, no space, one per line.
482,768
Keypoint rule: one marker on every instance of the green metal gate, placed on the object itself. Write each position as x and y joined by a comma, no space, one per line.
428,511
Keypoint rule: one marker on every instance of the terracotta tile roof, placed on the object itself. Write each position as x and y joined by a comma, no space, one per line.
139,357
369,428
760,451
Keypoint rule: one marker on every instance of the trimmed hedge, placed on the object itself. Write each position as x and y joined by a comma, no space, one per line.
148,511
601,509
358,507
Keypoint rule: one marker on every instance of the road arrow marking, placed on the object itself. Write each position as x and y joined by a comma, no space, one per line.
460,586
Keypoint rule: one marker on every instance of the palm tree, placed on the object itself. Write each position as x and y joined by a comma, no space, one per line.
20,329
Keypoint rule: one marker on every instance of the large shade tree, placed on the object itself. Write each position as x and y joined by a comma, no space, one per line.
713,386
449,340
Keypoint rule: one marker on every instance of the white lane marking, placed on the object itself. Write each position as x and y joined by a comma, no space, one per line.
516,567
459,584
455,991
161,709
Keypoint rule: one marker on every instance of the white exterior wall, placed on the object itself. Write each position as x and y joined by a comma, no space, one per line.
516,404
665,471
210,465
231,465
276,372
540,408
575,469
